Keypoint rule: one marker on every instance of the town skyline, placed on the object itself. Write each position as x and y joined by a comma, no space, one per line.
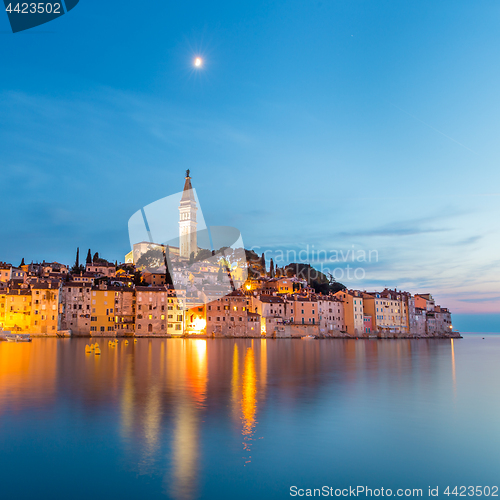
333,142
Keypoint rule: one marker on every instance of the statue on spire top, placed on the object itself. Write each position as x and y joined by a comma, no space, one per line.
187,172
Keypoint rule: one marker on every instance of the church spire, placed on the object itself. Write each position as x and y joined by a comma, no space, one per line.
188,188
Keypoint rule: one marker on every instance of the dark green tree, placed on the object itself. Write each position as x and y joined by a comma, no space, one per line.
271,269
203,254
168,277
89,257
191,258
263,263
22,262
77,268
151,260
96,257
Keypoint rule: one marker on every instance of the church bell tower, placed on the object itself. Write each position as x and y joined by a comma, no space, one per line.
187,221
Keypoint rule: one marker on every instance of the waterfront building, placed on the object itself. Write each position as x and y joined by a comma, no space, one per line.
302,310
75,307
331,314
125,304
388,310
228,316
367,324
158,311
102,316
353,311
271,310
17,316
45,308
443,319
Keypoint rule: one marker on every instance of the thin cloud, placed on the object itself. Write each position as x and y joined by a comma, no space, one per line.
433,128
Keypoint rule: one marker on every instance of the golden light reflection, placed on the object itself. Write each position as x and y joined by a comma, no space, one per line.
453,372
28,368
245,387
248,400
190,376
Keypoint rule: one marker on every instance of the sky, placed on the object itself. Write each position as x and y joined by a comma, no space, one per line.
341,126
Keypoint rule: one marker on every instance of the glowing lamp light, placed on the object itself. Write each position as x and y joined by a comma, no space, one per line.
199,324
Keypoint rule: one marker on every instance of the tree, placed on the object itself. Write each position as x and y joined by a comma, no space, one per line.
263,263
191,258
89,257
168,277
77,268
271,269
22,262
96,257
138,281
151,260
203,254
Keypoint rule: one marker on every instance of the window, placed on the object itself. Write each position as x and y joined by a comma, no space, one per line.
102,328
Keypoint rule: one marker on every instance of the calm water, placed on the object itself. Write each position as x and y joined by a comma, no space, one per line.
246,419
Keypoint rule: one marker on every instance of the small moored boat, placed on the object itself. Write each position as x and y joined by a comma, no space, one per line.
307,337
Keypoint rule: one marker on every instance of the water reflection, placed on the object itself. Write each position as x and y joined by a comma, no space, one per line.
247,388
164,405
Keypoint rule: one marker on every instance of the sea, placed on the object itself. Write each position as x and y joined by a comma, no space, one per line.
250,418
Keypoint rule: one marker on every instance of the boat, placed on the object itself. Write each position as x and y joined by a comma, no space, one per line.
307,337
4,334
17,337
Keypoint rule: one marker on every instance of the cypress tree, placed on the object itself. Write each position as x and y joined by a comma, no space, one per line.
168,276
96,257
77,260
263,262
271,269
22,262
89,257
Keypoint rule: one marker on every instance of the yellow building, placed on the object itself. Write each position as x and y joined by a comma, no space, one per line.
44,309
2,308
5,272
388,309
353,311
102,307
17,316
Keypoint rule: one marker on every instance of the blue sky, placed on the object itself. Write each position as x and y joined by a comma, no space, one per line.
343,125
